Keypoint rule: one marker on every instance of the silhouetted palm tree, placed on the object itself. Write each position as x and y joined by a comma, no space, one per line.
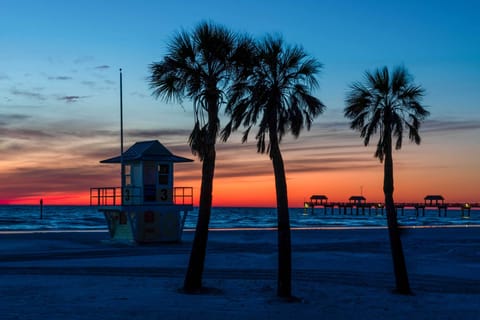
199,66
388,104
275,95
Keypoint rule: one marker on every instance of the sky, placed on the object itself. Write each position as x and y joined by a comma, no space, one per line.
59,97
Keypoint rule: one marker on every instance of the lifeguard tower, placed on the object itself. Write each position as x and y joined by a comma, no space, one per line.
149,208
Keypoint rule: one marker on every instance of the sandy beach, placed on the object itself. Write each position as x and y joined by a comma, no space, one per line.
337,274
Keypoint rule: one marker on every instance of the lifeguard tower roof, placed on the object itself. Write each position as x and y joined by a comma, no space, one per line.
151,150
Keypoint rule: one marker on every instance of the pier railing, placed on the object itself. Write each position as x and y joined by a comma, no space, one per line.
361,207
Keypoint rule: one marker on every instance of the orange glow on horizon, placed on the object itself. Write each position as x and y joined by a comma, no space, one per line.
260,191
244,178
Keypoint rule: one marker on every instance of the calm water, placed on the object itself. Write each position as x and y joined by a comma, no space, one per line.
85,217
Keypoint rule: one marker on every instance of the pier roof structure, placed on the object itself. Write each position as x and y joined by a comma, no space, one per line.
319,197
434,198
357,199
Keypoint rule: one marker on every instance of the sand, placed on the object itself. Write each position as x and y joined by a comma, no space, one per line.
337,274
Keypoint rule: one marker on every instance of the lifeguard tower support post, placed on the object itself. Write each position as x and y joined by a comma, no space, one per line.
149,208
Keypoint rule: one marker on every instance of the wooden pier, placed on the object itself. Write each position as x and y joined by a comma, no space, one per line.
359,205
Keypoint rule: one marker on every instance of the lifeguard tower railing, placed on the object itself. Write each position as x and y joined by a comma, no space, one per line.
112,196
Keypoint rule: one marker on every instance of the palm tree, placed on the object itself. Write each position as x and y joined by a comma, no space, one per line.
199,66
275,95
388,104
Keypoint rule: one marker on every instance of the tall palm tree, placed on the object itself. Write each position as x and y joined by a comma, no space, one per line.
199,66
388,103
275,95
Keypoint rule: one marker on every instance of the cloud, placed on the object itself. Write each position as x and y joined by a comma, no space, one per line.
74,179
332,126
28,94
60,78
161,134
89,83
139,94
76,148
22,133
10,118
317,147
71,99
236,160
260,167
83,59
430,125
16,126
102,67
84,139
449,126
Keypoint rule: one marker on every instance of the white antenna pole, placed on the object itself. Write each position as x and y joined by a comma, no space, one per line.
121,141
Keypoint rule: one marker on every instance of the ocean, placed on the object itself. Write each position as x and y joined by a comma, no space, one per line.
16,217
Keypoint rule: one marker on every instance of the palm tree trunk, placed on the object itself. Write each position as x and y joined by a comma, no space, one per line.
399,266
284,285
193,277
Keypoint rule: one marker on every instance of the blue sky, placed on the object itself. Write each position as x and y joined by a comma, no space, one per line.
59,64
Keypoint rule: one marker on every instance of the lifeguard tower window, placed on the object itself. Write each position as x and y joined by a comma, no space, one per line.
163,173
149,186
128,175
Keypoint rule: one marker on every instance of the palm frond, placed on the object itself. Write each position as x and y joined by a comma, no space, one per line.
200,66
226,131
413,134
276,92
380,151
386,104
245,134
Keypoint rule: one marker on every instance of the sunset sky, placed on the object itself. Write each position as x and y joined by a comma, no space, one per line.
59,96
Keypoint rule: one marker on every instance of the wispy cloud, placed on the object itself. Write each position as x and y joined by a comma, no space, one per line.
142,134
87,139
60,78
73,180
451,125
24,133
82,144
138,94
9,118
28,94
88,83
83,59
71,99
102,67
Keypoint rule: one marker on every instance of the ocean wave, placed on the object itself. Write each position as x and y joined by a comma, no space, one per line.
86,217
